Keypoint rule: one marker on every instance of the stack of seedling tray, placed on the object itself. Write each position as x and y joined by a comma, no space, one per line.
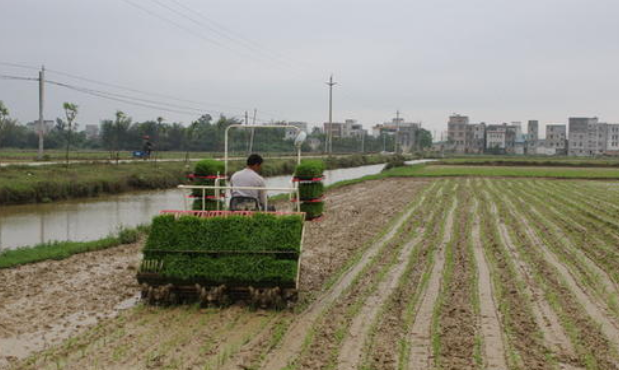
206,172
239,253
309,175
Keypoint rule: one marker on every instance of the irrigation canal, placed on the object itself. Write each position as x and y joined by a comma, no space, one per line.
90,219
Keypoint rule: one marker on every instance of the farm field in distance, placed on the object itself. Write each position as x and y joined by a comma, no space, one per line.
467,273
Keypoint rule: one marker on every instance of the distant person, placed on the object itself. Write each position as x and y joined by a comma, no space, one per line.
147,148
249,177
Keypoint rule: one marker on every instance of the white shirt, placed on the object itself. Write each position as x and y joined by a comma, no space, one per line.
249,177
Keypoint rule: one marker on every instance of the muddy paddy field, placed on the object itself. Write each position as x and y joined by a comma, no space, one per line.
459,273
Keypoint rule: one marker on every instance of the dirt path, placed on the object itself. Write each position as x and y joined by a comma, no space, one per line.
494,354
296,334
419,338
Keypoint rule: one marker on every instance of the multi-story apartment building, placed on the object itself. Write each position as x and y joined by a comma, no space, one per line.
532,138
501,138
457,128
349,128
556,139
475,138
578,138
612,143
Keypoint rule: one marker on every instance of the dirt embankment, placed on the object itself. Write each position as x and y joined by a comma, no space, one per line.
44,303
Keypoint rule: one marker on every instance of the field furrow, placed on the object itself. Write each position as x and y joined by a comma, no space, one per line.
455,330
324,343
588,273
493,346
386,346
296,335
578,314
531,326
420,335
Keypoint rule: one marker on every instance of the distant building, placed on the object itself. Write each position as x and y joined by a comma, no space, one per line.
291,134
475,138
612,144
502,139
532,138
556,139
457,128
48,125
350,128
92,131
578,139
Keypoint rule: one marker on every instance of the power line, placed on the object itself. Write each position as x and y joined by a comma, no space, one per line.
17,65
124,98
224,32
20,78
136,101
147,93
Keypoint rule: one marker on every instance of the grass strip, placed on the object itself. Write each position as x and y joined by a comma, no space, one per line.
62,250
20,184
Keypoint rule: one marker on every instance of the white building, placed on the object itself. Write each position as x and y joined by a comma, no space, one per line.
556,138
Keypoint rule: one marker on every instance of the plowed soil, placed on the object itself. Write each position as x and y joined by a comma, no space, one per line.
401,274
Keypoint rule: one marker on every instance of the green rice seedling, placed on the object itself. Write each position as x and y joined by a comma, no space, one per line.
259,232
312,209
313,190
309,169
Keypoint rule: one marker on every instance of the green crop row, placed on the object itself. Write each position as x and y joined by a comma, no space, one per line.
310,168
313,209
311,190
238,269
259,232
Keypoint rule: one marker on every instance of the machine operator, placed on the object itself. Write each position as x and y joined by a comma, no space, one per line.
249,177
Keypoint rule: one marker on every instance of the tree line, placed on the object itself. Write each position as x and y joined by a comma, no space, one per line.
121,133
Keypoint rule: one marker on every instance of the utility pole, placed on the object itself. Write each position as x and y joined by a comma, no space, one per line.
397,130
330,125
41,107
246,119
251,133
362,142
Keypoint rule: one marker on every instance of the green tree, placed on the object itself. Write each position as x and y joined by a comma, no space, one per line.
425,139
70,111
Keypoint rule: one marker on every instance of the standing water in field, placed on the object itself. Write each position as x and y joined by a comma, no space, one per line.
91,219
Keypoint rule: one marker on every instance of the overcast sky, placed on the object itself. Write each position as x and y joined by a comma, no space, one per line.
494,60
